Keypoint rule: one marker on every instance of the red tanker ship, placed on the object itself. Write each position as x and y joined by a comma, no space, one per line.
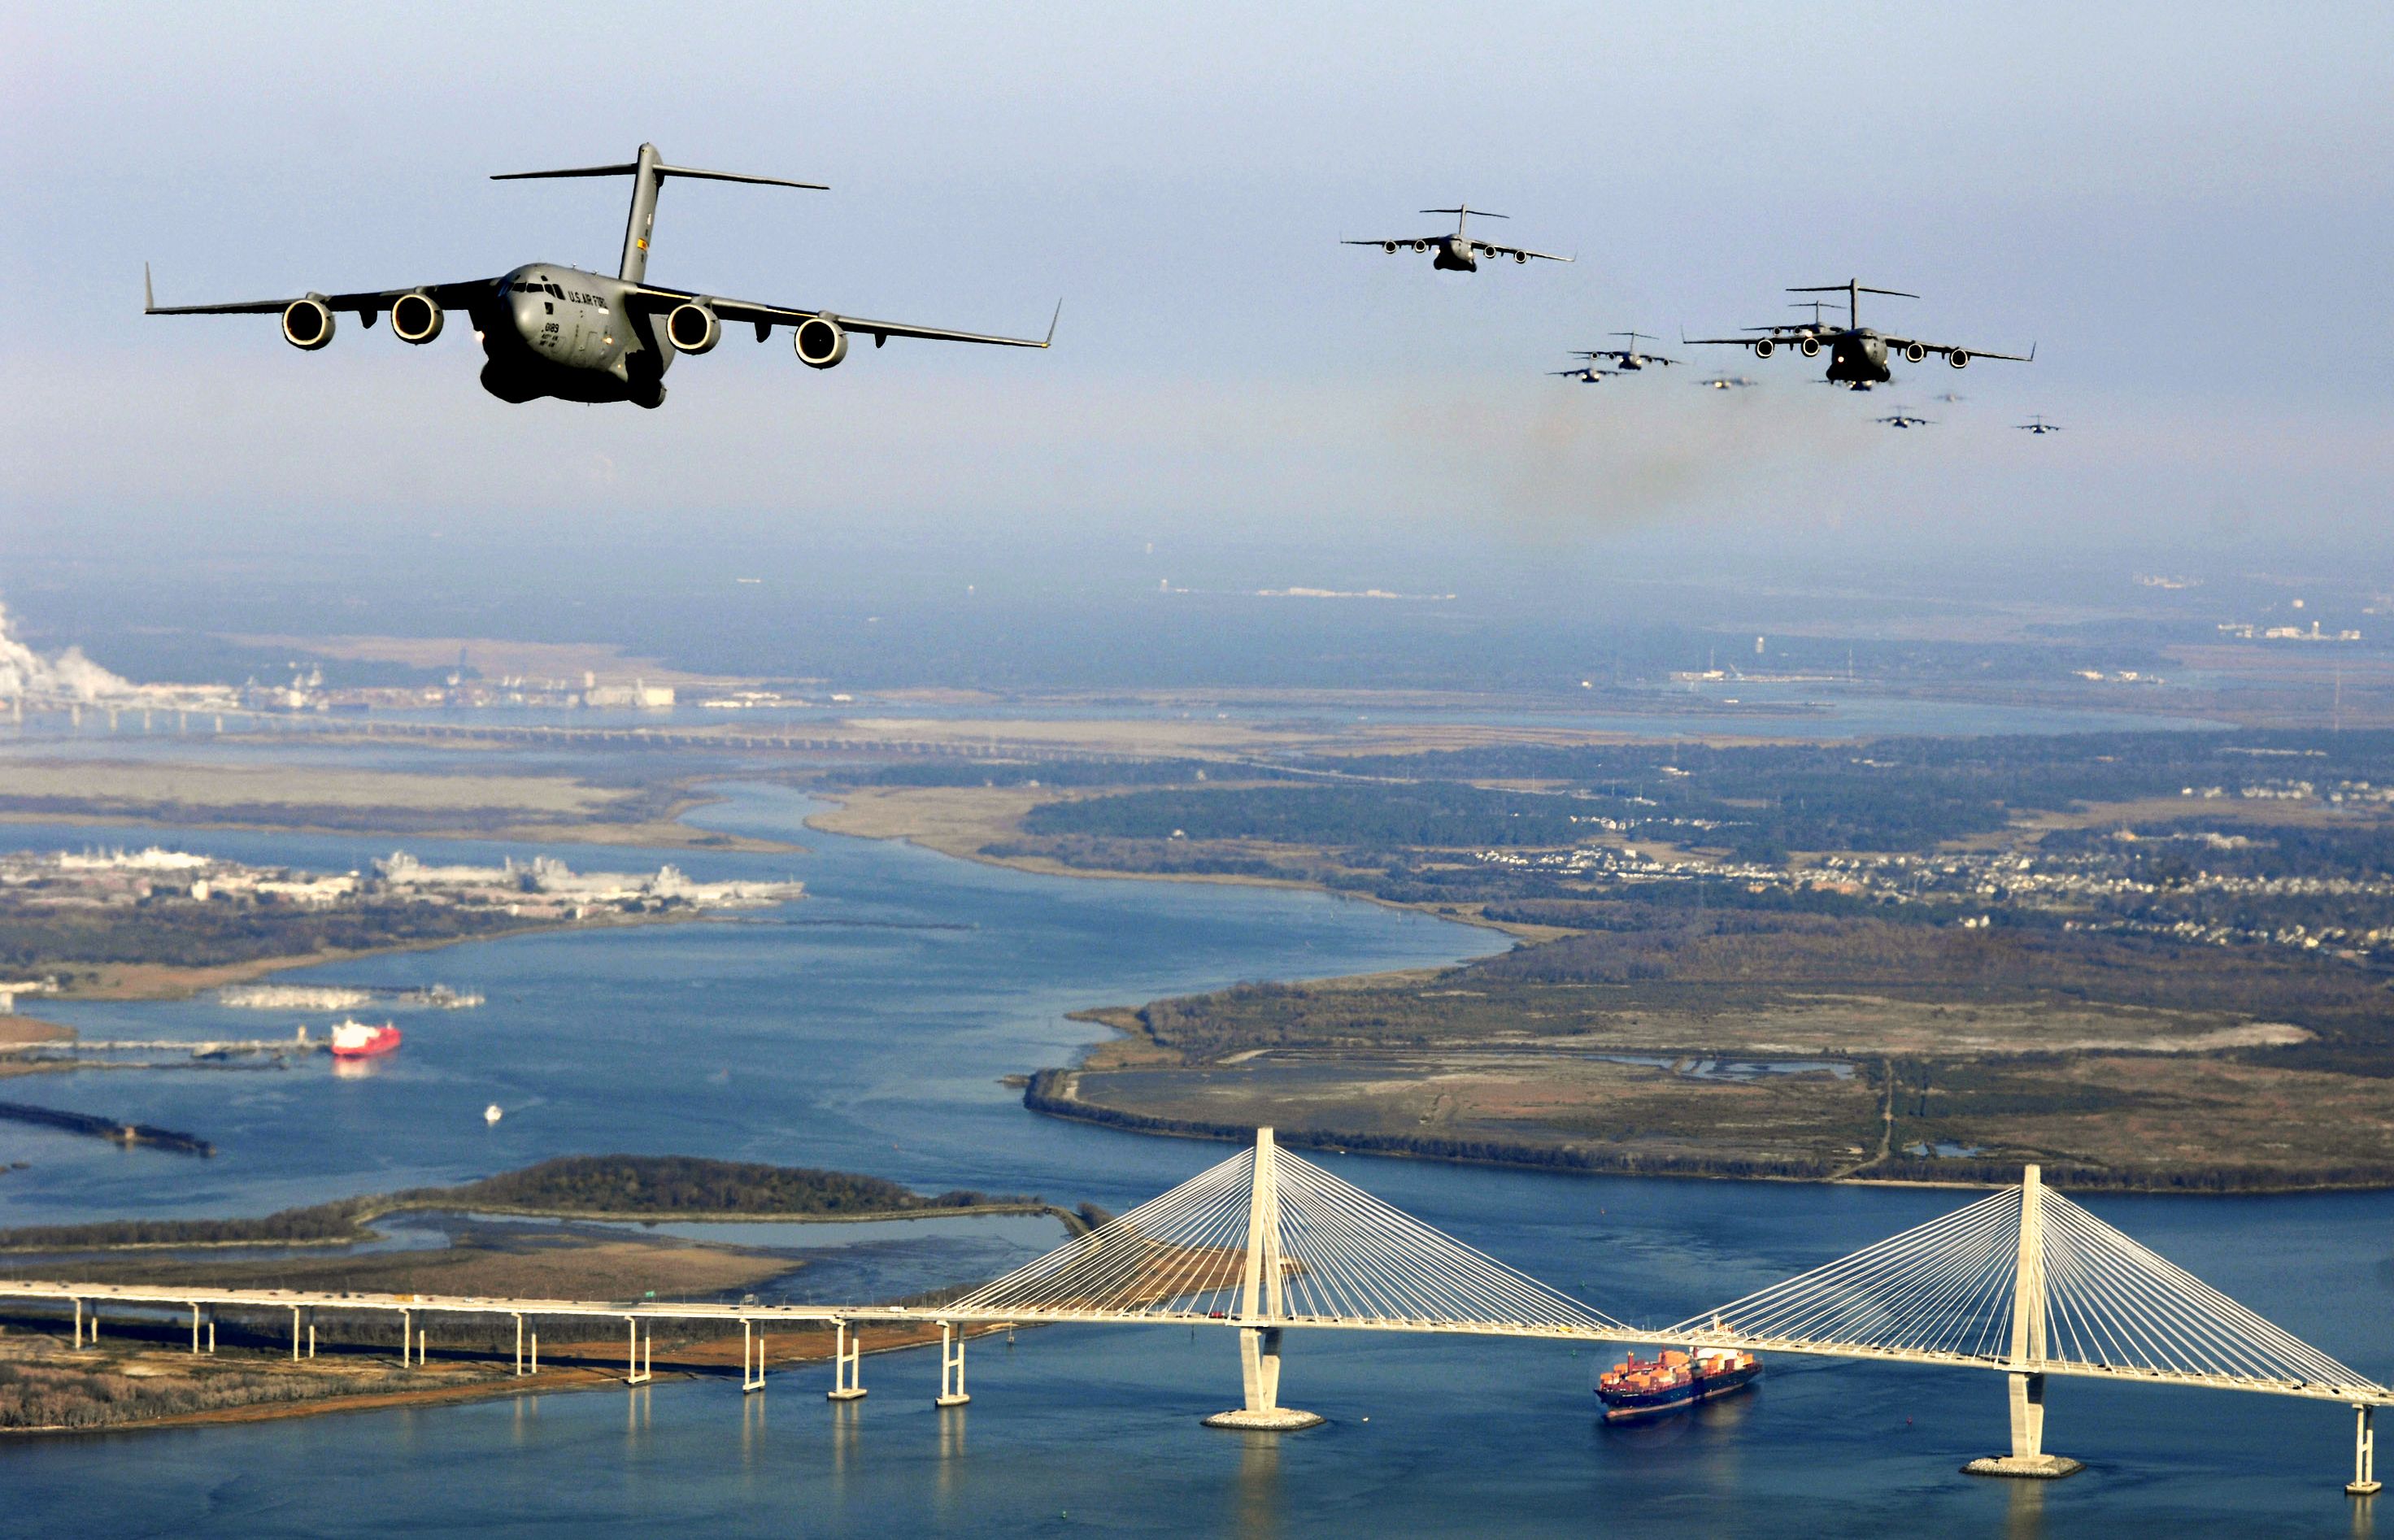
356,1040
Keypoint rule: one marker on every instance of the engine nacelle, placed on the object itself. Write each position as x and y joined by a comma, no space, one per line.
308,324
1916,352
1809,346
1959,358
1388,247
1521,257
1421,245
692,327
1763,348
415,318
820,341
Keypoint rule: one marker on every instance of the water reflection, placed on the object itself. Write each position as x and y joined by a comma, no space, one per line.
951,1460
847,1426
2024,1511
752,1436
1258,1489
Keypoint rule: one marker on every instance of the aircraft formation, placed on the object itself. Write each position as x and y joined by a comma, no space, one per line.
550,329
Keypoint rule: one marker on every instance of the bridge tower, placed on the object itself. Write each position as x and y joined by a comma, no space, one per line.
2029,1351
1262,1303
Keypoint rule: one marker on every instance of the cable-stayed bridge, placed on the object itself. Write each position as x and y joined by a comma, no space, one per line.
2022,1283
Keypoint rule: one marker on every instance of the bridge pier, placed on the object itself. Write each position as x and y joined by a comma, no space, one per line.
752,1348
2364,1481
519,1344
639,1372
78,1325
2028,1457
844,1369
952,1367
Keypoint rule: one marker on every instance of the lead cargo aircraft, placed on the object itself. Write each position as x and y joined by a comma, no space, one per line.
551,330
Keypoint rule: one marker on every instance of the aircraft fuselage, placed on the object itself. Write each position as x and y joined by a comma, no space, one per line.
550,329
1454,256
1859,358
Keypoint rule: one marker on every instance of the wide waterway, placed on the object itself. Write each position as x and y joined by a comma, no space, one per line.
866,1028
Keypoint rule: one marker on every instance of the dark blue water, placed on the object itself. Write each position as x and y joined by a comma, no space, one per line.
853,1036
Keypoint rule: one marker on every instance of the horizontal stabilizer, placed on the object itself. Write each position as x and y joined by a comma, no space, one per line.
631,166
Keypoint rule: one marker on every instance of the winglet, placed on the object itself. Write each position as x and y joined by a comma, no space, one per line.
1051,323
2032,352
149,300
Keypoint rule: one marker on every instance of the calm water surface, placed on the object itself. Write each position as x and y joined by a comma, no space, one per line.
866,1028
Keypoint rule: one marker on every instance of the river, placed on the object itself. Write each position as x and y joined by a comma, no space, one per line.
866,1027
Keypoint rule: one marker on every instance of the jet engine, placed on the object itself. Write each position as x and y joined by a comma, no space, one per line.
1959,358
1763,348
1916,352
1421,245
1809,346
415,318
692,327
1521,257
1388,247
308,324
820,342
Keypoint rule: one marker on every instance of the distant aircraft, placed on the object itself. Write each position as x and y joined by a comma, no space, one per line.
2038,424
1459,251
1904,420
1857,354
1629,360
1587,375
1724,382
1948,397
551,330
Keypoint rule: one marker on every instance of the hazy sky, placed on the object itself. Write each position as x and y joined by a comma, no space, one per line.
2185,206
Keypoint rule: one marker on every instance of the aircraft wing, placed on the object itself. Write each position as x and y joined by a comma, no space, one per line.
765,317
1521,253
368,304
1401,239
1896,344
1731,341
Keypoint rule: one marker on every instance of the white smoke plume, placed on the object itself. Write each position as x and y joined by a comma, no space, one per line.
26,675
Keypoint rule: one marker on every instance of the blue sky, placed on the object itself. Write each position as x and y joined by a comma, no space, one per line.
2186,207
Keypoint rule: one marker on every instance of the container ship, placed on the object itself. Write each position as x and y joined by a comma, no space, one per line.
356,1040
1673,1382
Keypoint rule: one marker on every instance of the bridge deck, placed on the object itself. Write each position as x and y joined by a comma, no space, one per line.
67,1293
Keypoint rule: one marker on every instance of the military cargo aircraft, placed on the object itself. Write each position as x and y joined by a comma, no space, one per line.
551,330
1460,251
1906,419
2038,424
1628,361
1724,382
1586,374
1857,354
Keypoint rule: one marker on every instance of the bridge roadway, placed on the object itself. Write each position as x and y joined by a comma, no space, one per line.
84,1295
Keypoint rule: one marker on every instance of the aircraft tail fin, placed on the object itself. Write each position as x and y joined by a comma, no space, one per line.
648,173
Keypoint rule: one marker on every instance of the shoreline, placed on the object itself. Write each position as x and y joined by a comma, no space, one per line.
1500,1153
706,1359
1042,867
1071,1223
